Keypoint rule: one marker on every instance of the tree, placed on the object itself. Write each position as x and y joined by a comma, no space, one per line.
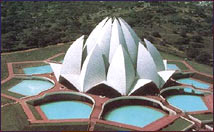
203,57
192,52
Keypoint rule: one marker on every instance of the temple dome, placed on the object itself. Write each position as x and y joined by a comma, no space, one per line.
115,57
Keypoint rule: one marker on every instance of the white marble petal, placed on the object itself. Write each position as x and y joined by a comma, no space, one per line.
134,35
155,55
93,69
130,42
73,58
94,35
104,39
121,73
146,68
73,79
117,38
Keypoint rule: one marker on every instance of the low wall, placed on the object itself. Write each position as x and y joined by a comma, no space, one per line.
133,100
61,96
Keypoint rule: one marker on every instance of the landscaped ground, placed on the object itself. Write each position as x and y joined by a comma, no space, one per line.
204,117
178,125
13,116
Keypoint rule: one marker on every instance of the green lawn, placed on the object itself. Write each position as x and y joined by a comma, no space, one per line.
76,126
5,100
58,58
13,118
199,67
203,117
178,125
105,127
170,56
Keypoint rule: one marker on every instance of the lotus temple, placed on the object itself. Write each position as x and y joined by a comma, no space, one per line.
111,80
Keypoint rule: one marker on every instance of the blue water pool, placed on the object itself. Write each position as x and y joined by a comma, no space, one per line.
134,115
66,110
38,70
187,103
31,87
190,90
172,67
193,82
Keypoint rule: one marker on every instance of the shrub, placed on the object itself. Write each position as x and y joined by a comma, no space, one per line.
181,47
197,38
203,57
197,45
175,32
192,52
183,34
156,34
150,38
182,41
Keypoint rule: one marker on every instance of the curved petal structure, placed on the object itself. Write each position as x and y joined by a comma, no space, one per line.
155,55
121,73
73,58
92,38
105,37
130,43
116,39
146,68
113,60
134,35
93,69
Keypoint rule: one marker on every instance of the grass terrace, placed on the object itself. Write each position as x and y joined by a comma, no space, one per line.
179,124
13,118
204,117
58,58
199,67
105,127
67,126
5,100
